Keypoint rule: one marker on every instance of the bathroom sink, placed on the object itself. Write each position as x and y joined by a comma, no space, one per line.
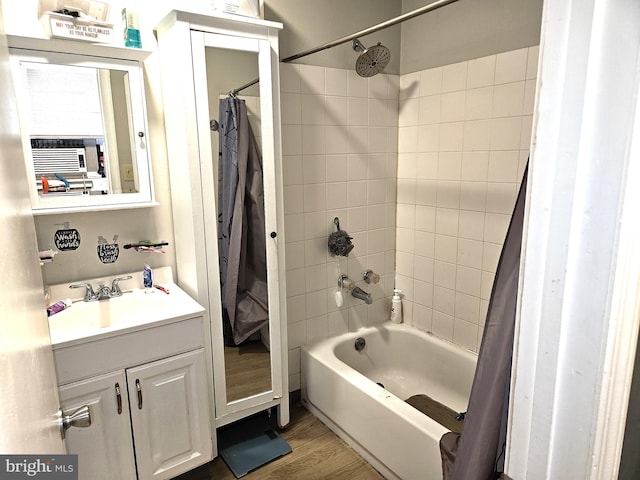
111,312
135,309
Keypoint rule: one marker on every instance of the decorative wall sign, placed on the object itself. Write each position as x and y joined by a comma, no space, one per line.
108,252
67,238
64,26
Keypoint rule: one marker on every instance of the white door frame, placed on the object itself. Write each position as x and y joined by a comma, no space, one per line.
577,322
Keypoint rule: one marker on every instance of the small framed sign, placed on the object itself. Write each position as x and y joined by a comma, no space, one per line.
65,26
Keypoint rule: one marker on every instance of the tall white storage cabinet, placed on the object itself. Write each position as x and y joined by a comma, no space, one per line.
201,56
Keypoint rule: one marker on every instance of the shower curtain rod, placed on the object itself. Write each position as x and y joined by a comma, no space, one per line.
386,24
234,92
389,23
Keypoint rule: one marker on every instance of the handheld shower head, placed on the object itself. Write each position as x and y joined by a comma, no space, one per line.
372,60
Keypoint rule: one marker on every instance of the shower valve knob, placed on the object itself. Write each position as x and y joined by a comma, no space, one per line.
346,283
369,276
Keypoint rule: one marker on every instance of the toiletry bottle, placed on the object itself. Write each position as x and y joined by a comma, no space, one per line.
58,306
147,279
396,306
131,28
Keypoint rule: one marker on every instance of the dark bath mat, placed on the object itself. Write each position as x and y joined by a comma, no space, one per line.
437,411
250,443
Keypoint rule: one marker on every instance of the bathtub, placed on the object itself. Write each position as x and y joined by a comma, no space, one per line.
340,386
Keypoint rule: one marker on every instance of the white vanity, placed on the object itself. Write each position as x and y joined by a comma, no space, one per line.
153,368
138,362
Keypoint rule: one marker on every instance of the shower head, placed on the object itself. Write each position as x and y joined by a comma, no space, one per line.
372,60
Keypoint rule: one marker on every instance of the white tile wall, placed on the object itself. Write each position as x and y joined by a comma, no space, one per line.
422,170
340,143
463,141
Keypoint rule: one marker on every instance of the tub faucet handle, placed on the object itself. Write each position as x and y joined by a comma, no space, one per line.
344,282
370,276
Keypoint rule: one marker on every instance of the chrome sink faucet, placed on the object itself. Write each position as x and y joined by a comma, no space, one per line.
89,294
115,288
103,292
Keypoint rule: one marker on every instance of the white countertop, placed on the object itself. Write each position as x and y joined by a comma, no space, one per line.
135,310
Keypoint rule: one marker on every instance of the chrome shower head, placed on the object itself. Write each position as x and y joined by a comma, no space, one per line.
372,60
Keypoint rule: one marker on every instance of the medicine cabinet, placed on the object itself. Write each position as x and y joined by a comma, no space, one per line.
203,58
83,124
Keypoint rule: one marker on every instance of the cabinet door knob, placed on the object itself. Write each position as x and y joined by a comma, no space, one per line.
118,398
274,234
139,389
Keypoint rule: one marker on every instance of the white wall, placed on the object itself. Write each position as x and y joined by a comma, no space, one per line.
309,24
467,29
464,134
339,137
460,31
472,183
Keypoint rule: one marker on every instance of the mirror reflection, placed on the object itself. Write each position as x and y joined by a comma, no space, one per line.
80,129
236,152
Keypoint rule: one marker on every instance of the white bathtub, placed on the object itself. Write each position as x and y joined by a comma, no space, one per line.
339,386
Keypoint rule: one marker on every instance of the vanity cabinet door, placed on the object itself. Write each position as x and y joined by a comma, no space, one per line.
105,449
170,415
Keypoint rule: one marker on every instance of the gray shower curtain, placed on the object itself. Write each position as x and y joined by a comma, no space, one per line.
478,452
241,227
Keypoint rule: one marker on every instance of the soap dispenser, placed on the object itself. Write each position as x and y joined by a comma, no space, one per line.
396,306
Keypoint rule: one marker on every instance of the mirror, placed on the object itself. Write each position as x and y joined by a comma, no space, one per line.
84,131
247,365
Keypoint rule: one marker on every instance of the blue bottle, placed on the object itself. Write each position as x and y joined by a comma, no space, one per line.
131,29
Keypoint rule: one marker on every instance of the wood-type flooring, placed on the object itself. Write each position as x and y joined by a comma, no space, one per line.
318,454
247,370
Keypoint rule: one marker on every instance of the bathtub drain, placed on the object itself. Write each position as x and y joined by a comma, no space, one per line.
360,344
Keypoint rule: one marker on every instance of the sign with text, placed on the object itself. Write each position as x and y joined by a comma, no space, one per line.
67,239
50,467
108,252
77,30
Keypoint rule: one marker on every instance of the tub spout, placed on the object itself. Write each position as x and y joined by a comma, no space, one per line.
362,295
